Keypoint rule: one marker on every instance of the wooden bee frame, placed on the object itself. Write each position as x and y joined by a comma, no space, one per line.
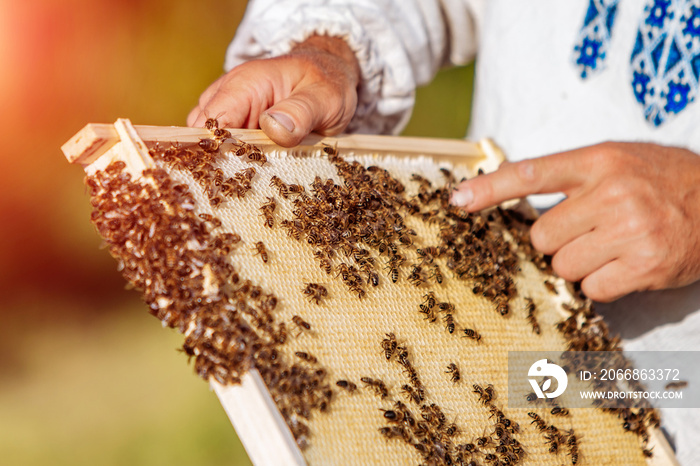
252,411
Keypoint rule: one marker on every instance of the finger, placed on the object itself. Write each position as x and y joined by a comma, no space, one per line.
580,215
229,108
309,108
553,173
210,92
584,255
193,115
610,282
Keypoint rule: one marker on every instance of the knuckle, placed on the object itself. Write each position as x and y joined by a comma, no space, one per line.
562,265
636,219
595,289
527,172
609,157
618,190
653,258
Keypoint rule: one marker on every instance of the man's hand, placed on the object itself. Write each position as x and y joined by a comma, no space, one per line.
631,220
313,88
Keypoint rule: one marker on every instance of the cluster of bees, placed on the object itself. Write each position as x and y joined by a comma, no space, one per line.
585,331
426,428
179,263
150,228
556,438
200,161
343,222
430,308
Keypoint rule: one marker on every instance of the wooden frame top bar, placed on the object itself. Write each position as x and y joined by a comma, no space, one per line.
96,138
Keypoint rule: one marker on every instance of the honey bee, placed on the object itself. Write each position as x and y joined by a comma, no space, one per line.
301,324
449,323
411,394
231,187
405,240
260,248
357,289
211,124
295,189
267,210
243,149
429,314
416,275
257,157
389,345
373,278
393,416
281,335
537,420
550,287
218,177
452,369
220,134
420,179
572,443
211,219
530,308
437,274
270,205
427,254
503,308
482,442
394,432
378,386
430,300
233,238
326,266
448,175
276,182
679,385
329,150
472,334
393,274
559,411
209,145
446,307
346,385
468,448
315,292
306,357
485,394
553,439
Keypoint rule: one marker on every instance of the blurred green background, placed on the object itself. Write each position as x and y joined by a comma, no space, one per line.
86,375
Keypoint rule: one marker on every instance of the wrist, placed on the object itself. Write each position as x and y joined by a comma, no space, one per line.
331,48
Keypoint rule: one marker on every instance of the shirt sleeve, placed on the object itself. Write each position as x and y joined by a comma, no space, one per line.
400,44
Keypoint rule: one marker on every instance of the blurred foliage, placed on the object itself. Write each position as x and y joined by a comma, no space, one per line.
442,109
86,375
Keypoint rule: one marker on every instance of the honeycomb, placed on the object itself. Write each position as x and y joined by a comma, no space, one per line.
379,317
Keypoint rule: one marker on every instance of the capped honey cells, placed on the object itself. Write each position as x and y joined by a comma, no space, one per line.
362,229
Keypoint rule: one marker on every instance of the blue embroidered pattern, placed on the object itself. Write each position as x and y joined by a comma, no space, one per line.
665,59
594,38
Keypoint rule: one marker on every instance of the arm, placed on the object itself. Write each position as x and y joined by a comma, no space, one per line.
630,222
397,44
